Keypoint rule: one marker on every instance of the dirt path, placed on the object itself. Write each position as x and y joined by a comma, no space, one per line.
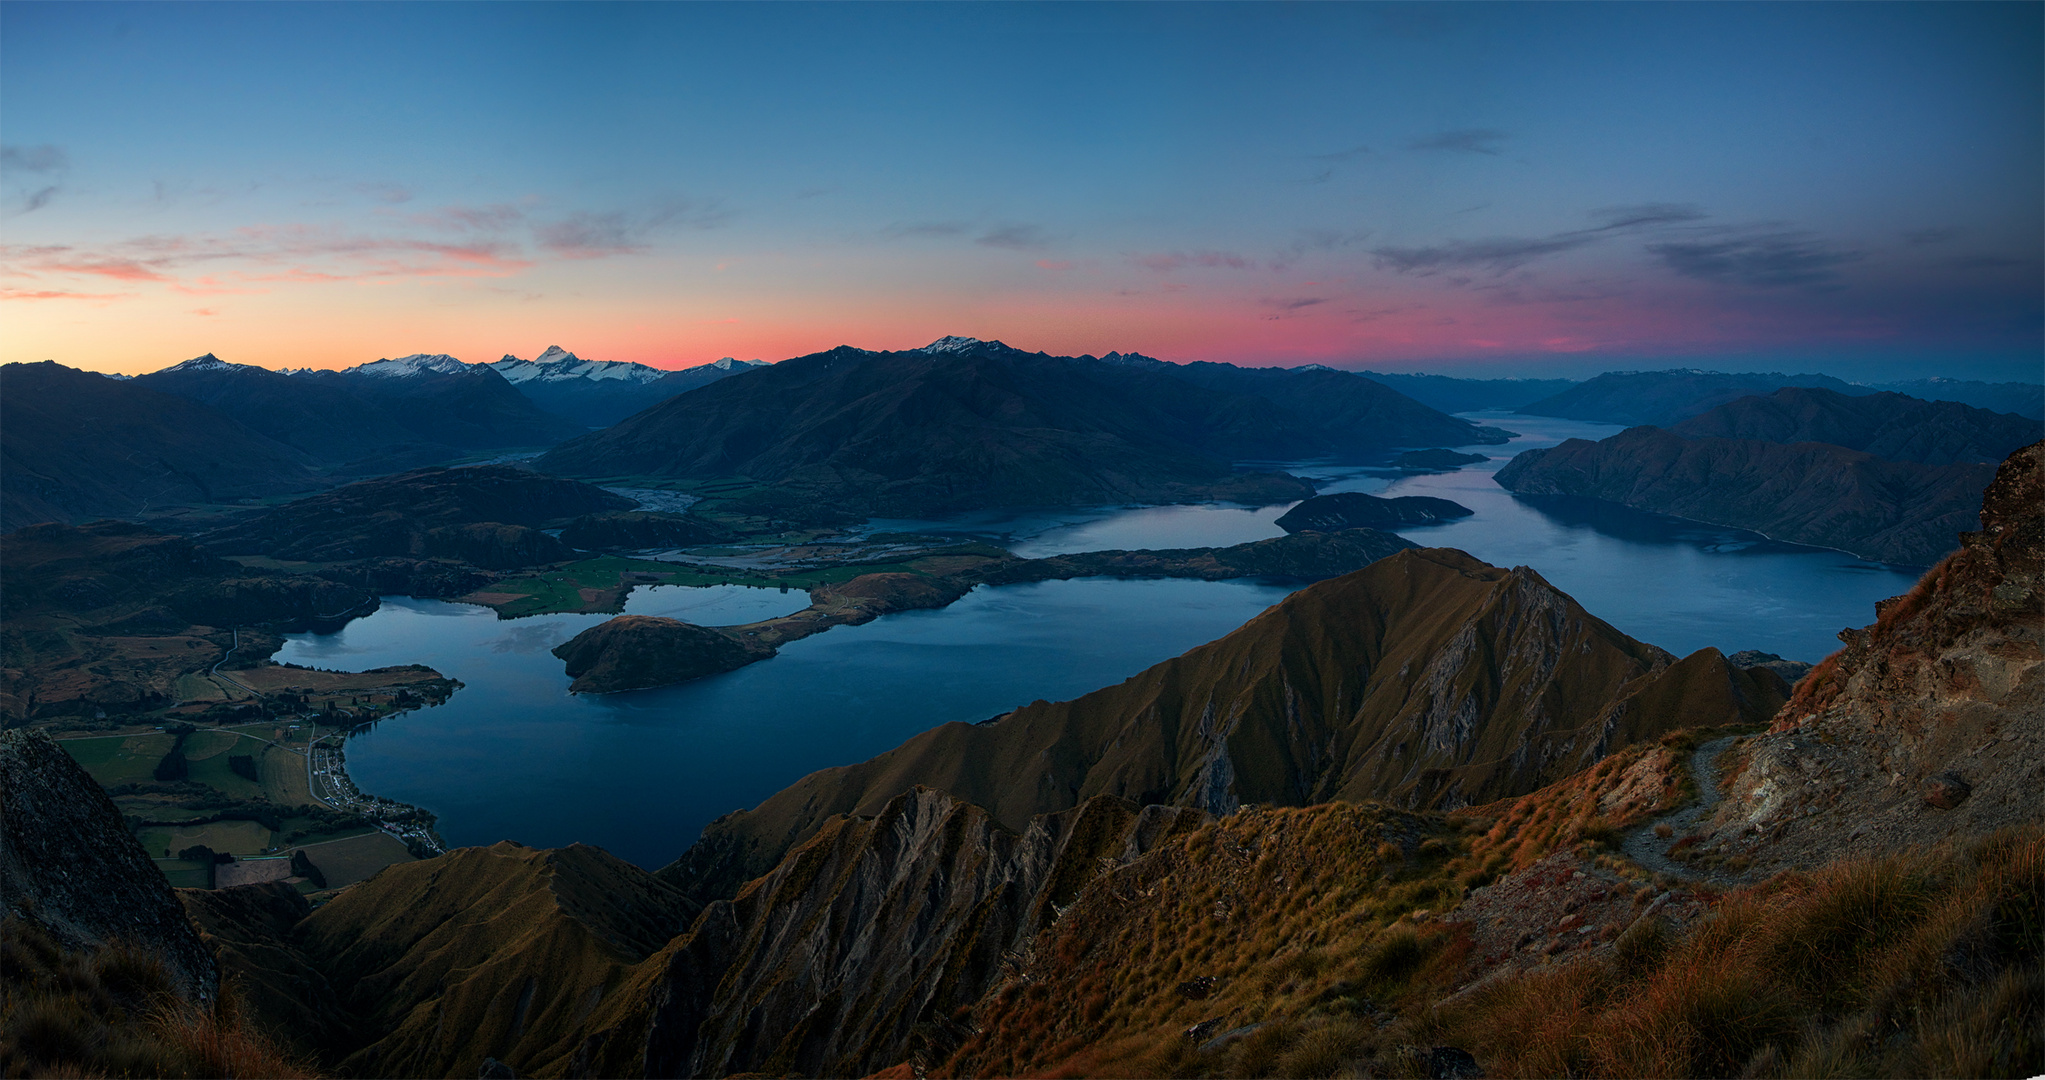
1651,851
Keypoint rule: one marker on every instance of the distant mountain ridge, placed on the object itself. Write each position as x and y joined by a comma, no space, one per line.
599,393
1664,398
976,424
75,446
1805,493
1887,425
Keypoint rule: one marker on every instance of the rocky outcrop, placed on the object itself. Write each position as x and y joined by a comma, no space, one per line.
1790,670
69,866
253,931
1355,510
633,652
1943,694
1889,426
639,530
1428,678
1807,493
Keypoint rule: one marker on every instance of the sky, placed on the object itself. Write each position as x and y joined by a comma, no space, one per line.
1470,189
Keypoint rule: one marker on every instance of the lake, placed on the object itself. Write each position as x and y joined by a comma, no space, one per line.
514,756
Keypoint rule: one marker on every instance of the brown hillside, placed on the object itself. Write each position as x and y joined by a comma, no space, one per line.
1428,679
485,952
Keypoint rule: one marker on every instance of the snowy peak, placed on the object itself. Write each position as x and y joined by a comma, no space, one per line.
953,344
208,362
728,364
405,367
1133,359
559,365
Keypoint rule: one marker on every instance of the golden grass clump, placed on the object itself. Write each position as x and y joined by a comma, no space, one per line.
111,1011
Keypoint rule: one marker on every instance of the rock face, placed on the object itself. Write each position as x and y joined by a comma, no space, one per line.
870,937
1889,426
1930,724
1790,670
1436,459
75,446
1355,510
1807,493
426,513
1428,679
633,652
69,865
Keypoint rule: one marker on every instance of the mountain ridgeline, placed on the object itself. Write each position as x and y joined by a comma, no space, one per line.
599,393
975,425
1427,679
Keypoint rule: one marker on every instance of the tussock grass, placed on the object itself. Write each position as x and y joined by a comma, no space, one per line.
111,1012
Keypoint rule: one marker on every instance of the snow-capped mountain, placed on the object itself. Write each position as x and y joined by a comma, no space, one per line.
558,364
951,343
408,366
208,362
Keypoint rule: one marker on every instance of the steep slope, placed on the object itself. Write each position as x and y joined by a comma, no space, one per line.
328,423
76,446
484,952
1662,398
856,433
1807,493
867,941
1425,679
469,406
69,866
1886,425
599,393
1930,724
487,515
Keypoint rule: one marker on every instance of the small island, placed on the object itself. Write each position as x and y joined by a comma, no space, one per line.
1436,458
1355,510
634,652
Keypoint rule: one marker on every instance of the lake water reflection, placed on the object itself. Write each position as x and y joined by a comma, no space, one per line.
514,756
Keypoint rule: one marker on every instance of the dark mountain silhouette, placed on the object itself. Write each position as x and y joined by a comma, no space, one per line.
1806,493
486,515
468,406
75,445
1886,425
965,424
323,418
1662,398
1452,395
2022,398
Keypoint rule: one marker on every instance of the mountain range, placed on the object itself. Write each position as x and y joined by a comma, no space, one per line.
1664,398
1887,425
75,446
599,393
963,425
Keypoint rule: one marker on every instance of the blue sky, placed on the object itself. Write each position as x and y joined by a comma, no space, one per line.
1469,188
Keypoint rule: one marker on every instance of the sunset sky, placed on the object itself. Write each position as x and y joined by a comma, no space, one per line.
1464,188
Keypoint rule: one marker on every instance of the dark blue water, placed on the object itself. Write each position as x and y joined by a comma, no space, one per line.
514,756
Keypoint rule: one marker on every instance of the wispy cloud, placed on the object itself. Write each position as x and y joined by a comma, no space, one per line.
1936,235
1773,260
925,228
1462,140
59,294
391,194
1643,216
45,163
1314,241
1164,262
1014,237
1497,256
587,235
1287,305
